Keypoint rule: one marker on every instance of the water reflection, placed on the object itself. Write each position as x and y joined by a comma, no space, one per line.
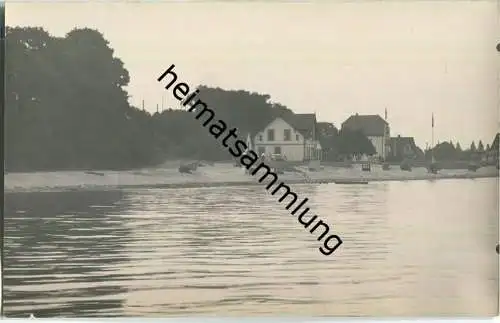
414,248
61,252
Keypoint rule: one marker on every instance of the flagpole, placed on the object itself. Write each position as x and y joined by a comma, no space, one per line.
432,140
384,146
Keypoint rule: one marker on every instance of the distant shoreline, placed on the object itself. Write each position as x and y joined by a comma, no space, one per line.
175,163
194,182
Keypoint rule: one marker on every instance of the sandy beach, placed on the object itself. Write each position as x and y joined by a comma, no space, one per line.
221,174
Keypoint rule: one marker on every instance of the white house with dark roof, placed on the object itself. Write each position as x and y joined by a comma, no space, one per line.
292,136
373,127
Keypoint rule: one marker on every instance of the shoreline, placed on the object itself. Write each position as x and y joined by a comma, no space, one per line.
295,181
222,176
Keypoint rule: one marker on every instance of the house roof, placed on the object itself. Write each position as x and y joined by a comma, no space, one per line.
402,141
370,125
304,123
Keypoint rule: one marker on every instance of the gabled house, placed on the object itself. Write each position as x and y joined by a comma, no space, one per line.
292,136
373,127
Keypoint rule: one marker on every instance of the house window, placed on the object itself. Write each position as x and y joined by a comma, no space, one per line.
270,135
297,137
260,138
261,150
277,150
287,135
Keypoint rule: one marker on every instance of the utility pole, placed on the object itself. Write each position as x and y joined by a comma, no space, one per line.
432,139
385,137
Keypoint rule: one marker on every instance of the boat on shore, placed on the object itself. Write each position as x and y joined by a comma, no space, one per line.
188,168
405,166
433,167
473,167
94,173
351,181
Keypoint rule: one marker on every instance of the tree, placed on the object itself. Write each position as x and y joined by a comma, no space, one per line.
496,142
480,147
472,147
354,143
445,151
328,136
459,153
66,106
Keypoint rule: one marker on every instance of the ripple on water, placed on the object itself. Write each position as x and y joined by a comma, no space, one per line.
237,251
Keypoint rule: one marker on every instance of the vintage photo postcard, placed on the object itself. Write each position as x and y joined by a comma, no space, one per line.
253,158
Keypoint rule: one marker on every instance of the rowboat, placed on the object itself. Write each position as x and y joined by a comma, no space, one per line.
354,181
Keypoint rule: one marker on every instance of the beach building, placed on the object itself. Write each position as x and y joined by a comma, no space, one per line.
292,136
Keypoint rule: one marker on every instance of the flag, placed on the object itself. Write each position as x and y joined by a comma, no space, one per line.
433,120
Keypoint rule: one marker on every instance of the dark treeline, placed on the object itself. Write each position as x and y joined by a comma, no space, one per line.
454,151
67,109
338,144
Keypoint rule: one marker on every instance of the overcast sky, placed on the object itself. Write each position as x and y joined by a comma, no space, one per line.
333,58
